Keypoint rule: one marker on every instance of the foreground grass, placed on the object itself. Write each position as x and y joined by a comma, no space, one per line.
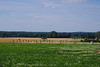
48,55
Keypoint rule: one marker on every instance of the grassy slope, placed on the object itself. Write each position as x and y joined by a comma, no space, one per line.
59,55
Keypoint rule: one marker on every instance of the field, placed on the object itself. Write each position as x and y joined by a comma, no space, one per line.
68,39
49,55
38,40
48,40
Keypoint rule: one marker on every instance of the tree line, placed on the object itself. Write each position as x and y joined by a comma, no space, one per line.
52,34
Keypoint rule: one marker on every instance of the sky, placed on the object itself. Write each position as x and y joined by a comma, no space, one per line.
50,15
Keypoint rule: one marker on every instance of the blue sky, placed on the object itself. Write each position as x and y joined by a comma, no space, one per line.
50,15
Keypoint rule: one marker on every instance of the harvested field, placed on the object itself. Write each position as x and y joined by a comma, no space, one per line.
48,40
68,39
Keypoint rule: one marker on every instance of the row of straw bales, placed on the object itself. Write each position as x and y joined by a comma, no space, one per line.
42,41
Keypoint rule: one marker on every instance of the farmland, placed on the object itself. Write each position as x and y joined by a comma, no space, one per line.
37,40
49,55
48,40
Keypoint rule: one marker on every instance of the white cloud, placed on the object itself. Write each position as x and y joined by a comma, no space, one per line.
49,5
73,1
60,3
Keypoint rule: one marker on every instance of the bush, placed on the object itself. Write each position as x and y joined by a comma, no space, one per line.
89,40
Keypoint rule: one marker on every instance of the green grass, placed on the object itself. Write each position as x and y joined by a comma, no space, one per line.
48,55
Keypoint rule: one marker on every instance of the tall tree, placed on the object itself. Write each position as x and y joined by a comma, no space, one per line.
53,34
98,34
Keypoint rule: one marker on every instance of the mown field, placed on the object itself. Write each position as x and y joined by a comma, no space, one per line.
68,39
49,55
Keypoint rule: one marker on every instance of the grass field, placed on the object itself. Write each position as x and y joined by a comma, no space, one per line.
49,55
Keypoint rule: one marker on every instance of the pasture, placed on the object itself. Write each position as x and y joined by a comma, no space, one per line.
49,55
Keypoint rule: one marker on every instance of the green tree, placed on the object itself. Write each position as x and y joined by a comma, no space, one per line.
53,34
44,37
98,34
